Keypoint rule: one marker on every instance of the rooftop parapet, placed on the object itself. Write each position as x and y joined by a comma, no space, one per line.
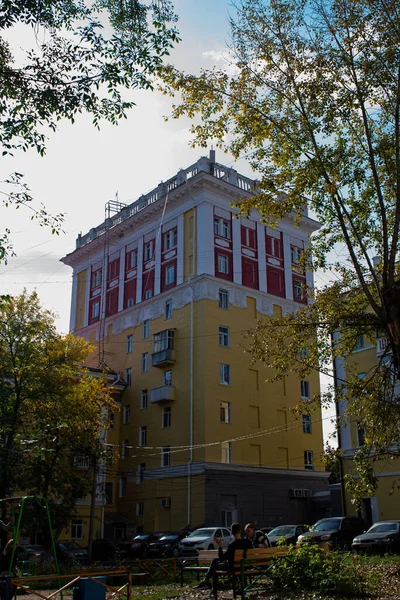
204,164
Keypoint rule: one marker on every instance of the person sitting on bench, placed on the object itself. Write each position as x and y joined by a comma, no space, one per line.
258,538
238,544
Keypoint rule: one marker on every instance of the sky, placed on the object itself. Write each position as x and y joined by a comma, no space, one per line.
84,168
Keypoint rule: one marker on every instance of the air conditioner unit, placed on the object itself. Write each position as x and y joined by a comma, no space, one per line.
165,502
295,493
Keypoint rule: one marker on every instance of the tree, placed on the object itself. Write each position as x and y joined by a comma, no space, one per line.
314,102
83,56
51,409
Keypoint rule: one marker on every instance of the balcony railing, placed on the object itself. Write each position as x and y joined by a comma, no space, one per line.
163,357
164,393
381,345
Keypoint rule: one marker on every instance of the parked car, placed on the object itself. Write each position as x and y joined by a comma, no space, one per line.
137,548
381,537
71,550
203,539
32,552
104,550
339,532
266,530
290,532
167,545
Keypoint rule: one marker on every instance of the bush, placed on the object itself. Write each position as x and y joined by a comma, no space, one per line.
311,568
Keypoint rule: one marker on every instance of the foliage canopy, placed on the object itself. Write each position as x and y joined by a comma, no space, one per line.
312,97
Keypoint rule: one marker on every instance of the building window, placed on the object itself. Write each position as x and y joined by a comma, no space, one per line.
166,417
168,309
143,436
223,299
226,452
309,460
95,310
129,343
360,345
111,419
148,251
131,260
224,374
223,264
170,275
144,397
305,389
307,425
298,289
164,340
166,456
77,529
148,294
140,472
96,278
221,228
225,412
108,492
113,268
295,254
125,449
129,376
360,434
223,336
122,486
145,362
168,377
139,509
145,329
170,239
127,414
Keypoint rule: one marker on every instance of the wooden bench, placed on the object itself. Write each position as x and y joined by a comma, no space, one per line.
198,564
254,563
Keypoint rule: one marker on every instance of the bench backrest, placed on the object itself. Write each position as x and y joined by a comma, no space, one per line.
205,556
259,555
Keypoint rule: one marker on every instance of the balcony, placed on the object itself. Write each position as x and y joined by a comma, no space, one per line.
163,358
164,393
82,463
381,345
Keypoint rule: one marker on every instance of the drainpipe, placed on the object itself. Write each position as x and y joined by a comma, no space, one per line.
191,376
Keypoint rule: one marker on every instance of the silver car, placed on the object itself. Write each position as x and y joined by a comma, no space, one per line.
203,539
381,537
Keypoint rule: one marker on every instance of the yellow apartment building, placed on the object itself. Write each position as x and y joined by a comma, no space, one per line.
383,505
166,288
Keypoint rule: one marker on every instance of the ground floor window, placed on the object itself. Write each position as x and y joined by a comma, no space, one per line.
77,529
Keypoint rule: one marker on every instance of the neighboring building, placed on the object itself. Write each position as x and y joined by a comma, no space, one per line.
166,288
384,505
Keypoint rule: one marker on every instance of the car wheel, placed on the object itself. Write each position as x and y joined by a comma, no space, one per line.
210,547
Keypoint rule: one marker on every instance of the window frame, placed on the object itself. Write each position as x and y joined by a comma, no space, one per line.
126,419
223,299
145,329
305,389
224,374
148,251
129,344
226,453
143,436
167,378
224,336
168,309
166,456
128,375
144,399
168,270
76,526
306,423
223,261
225,412
145,362
140,509
166,417
309,460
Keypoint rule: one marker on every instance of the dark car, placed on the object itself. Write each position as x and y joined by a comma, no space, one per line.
381,537
338,532
137,548
167,545
290,532
71,550
32,552
266,530
104,550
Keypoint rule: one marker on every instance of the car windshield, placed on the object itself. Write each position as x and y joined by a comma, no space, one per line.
69,545
330,525
278,531
384,527
202,532
142,537
169,537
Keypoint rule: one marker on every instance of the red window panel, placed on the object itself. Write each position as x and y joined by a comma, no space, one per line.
223,264
250,273
129,293
248,237
94,310
113,269
168,275
148,284
131,260
112,302
275,281
95,281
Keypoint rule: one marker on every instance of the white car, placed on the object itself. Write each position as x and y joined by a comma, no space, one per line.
203,539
